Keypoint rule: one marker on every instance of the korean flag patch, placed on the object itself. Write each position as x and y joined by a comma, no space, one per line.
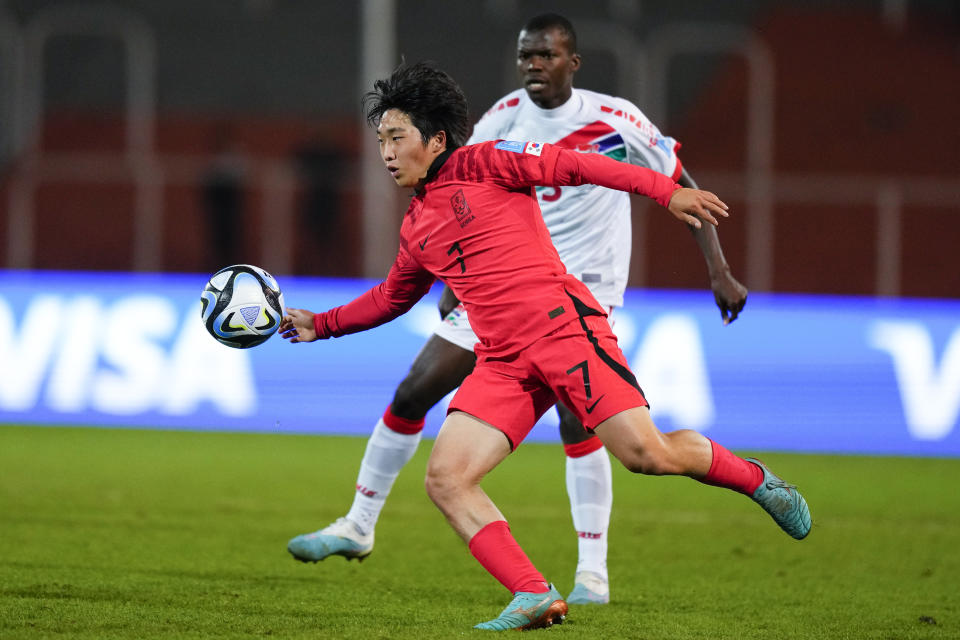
533,148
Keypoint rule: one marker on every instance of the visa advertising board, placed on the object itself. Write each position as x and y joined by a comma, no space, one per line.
793,373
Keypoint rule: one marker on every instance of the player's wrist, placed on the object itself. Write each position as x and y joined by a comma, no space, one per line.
718,269
666,199
320,327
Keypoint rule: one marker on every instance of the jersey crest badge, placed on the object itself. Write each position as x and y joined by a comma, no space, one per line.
458,202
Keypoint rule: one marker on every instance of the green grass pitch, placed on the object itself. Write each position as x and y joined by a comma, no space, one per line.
151,534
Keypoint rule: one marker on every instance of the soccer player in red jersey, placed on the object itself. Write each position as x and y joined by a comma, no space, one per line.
590,227
474,223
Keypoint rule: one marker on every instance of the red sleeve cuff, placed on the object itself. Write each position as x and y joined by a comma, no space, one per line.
678,171
320,325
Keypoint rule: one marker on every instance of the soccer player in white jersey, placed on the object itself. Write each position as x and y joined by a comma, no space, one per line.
590,226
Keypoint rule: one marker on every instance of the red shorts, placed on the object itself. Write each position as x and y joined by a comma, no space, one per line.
580,364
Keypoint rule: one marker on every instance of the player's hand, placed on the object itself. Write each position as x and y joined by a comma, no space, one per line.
297,326
448,302
693,205
729,294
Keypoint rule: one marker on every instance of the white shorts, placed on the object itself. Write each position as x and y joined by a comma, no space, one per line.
456,328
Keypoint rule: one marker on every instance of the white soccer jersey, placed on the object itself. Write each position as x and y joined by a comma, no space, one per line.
589,225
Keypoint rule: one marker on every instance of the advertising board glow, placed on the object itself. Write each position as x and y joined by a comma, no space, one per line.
793,373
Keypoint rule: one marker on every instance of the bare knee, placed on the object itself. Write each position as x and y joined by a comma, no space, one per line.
650,455
675,453
411,400
642,460
636,442
443,483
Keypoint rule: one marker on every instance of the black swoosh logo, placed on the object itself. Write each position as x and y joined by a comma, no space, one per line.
423,245
594,405
271,321
225,325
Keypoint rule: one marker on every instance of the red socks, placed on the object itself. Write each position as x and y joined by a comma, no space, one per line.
402,425
732,472
582,448
495,549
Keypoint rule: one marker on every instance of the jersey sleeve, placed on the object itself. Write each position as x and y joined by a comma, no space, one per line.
406,283
646,145
529,164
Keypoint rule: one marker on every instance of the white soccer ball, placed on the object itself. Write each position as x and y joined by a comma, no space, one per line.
242,306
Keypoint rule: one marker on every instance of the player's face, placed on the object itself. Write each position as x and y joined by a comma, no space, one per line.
402,149
546,66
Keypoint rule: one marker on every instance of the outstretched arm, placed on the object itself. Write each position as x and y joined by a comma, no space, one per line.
685,201
366,311
692,206
729,294
406,283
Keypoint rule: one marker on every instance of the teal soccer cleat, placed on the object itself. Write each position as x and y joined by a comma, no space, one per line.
783,502
529,611
589,588
339,539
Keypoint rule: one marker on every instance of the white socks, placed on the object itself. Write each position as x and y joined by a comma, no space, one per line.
590,487
387,453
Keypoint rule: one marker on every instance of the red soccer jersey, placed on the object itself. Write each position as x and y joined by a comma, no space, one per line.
476,225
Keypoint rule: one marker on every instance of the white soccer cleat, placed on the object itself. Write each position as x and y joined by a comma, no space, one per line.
589,588
342,538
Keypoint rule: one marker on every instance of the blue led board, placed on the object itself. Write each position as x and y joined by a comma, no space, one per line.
794,373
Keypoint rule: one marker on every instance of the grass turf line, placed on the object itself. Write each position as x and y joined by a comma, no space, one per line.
152,534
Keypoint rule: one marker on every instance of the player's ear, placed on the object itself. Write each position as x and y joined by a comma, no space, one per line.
439,141
575,62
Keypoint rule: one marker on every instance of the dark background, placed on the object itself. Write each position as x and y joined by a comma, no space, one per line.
829,127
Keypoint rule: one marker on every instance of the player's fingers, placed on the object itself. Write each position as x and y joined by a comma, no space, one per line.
735,312
716,209
725,314
713,199
704,214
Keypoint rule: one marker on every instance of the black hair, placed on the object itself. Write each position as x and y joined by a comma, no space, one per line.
429,96
546,21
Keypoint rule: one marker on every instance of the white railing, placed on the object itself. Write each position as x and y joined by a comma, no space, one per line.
683,39
757,184
136,37
274,179
888,195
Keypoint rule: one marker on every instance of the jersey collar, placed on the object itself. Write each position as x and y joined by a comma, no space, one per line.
564,111
435,167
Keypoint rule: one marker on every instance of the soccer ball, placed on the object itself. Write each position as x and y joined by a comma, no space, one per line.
241,306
